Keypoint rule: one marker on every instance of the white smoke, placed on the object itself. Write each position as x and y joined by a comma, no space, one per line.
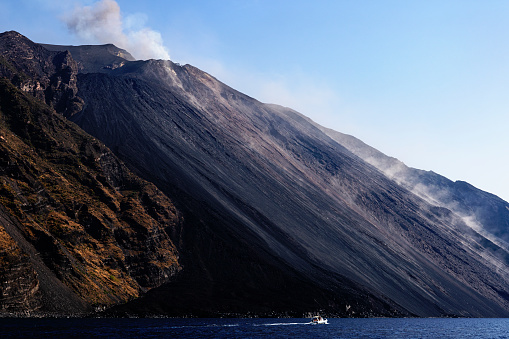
102,22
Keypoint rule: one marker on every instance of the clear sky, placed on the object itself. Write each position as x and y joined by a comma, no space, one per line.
424,81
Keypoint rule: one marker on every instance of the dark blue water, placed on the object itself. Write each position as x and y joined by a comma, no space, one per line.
253,328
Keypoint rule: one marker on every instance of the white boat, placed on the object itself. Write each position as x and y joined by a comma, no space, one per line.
318,320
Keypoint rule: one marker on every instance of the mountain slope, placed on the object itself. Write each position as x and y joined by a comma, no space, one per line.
277,216
78,229
140,254
311,201
484,212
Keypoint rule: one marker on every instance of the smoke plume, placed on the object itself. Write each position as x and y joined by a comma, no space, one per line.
103,23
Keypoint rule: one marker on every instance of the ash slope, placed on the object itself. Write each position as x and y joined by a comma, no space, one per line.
485,212
309,200
276,211
106,236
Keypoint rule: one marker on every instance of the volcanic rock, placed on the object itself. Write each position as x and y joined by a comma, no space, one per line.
260,210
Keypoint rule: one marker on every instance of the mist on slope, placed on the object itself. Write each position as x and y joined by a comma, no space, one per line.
103,22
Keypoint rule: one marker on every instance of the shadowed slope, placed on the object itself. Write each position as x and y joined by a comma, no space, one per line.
311,201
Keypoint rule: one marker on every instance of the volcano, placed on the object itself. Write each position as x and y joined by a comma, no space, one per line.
278,215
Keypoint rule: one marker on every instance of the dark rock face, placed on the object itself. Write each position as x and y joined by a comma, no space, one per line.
78,228
94,59
49,76
273,214
18,279
28,285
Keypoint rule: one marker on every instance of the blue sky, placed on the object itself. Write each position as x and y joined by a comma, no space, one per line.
424,81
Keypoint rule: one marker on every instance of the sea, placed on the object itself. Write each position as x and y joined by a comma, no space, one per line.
251,328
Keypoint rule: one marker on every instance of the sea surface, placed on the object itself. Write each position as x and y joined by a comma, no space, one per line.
252,328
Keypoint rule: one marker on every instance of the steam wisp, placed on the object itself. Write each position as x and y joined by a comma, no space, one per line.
102,22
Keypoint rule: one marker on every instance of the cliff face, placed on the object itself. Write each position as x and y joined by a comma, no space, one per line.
19,284
78,228
94,59
48,76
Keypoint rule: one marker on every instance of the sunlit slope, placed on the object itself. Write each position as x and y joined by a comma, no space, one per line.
308,200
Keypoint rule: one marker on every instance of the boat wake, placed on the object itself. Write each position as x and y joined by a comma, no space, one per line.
285,324
215,325
204,326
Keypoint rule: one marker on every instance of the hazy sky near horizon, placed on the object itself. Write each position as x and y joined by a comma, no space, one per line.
426,82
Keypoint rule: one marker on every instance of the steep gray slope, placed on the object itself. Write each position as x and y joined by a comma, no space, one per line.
484,212
307,199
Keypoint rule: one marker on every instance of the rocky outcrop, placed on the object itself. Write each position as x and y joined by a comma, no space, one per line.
82,223
18,279
48,76
95,59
